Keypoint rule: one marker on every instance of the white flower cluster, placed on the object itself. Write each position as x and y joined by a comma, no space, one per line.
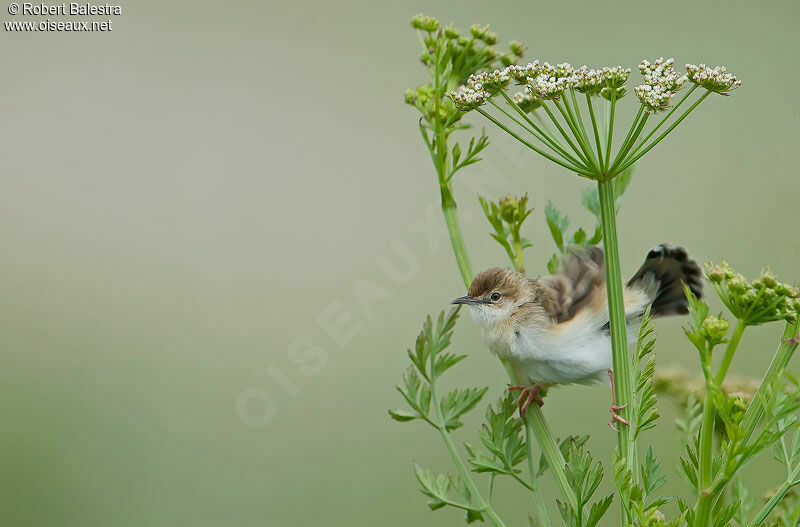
521,74
713,79
661,84
468,98
551,81
588,80
491,82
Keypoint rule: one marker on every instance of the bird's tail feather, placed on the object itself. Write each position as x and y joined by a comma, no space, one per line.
664,272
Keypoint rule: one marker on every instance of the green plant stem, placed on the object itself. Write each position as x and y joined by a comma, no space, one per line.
564,134
786,348
635,157
610,137
623,389
519,262
569,118
706,494
594,127
544,518
534,419
765,511
580,171
456,240
729,352
462,470
705,454
630,140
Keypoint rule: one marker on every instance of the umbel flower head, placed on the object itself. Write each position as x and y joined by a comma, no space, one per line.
713,79
762,300
613,80
661,82
468,98
588,80
551,81
491,82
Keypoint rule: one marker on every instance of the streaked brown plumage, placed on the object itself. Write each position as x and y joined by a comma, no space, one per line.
555,329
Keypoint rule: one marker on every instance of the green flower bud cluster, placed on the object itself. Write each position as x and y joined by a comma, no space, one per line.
458,57
506,217
425,23
613,80
713,79
735,407
483,33
715,329
763,300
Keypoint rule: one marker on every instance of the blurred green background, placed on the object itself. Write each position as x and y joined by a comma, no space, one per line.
186,197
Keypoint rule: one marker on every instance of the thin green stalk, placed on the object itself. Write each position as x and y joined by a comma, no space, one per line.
705,456
729,352
614,170
462,470
564,134
623,389
545,137
633,158
665,118
568,118
787,347
594,127
547,142
544,518
534,419
539,151
706,494
765,511
578,115
753,414
456,240
610,137
633,134
546,129
519,262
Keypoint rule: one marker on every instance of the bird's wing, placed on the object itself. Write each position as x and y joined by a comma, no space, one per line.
582,275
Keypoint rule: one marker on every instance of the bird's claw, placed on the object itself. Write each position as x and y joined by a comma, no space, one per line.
616,418
527,395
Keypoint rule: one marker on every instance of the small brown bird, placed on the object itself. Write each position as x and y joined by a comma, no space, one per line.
555,329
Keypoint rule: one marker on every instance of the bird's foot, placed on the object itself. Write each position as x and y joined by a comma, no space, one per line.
615,408
527,395
616,418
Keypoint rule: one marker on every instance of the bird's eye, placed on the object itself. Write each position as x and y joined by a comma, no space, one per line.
495,296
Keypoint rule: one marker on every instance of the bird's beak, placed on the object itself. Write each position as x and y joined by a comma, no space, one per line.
466,300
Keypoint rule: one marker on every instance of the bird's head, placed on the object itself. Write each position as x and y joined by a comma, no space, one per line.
495,294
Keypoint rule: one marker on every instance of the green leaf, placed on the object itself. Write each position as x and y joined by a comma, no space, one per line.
591,200
557,223
598,510
552,265
652,477
597,237
403,415
458,402
579,237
